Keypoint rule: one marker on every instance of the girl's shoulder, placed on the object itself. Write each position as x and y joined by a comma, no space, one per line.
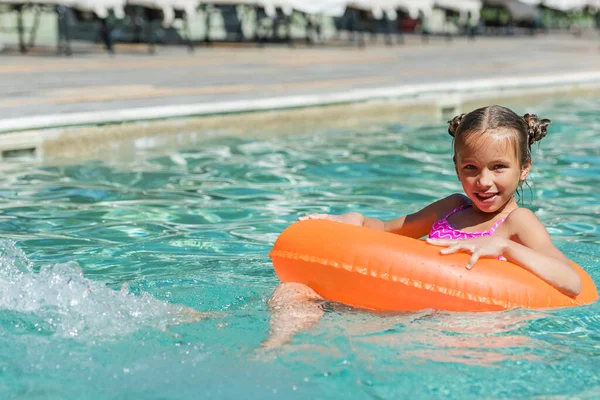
522,219
524,227
520,214
451,203
455,200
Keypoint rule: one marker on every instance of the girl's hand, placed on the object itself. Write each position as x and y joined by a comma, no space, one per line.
485,246
352,218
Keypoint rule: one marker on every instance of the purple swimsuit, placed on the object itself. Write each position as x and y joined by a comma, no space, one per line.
443,230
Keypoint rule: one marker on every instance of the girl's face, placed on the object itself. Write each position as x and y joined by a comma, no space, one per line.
488,167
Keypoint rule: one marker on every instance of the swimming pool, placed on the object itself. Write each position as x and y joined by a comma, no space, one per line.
96,259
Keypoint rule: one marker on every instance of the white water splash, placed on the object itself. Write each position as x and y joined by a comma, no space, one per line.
64,302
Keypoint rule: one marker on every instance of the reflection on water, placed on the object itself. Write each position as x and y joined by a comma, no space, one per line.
99,259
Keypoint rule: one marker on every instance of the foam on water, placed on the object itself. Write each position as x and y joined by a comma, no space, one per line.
67,304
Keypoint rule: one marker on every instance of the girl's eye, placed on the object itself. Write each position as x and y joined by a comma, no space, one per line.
499,166
469,166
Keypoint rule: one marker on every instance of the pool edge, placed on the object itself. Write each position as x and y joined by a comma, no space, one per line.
28,134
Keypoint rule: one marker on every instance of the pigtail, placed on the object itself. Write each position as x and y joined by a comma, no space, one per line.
536,128
454,123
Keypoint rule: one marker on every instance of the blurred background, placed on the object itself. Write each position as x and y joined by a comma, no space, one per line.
61,24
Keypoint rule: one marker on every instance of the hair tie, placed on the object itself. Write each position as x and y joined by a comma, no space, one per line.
454,123
536,129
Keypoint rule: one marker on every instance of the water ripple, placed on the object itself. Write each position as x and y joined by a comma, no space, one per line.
195,226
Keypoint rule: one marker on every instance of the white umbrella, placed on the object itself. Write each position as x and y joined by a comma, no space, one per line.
413,7
168,7
270,6
562,5
67,3
388,7
330,8
101,7
462,6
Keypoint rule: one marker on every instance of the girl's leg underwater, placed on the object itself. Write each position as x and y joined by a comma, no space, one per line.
294,308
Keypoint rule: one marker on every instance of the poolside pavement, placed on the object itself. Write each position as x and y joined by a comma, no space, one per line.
43,91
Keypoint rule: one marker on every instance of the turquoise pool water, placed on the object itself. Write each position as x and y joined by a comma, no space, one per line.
98,259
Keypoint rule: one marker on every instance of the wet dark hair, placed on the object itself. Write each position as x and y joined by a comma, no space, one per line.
527,129
523,131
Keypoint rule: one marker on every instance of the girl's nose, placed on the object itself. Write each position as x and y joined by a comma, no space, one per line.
484,179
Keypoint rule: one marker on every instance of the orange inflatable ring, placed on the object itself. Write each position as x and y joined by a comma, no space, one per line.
366,268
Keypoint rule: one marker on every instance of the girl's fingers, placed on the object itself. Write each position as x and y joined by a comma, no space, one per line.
312,216
473,260
441,242
452,249
455,246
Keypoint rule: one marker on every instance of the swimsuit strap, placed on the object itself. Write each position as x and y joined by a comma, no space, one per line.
457,209
496,225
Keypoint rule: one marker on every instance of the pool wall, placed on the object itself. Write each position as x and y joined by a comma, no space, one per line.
109,133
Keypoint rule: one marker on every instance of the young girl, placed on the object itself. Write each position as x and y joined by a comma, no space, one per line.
492,157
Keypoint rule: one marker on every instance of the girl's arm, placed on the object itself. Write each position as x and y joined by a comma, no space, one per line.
414,225
530,246
526,242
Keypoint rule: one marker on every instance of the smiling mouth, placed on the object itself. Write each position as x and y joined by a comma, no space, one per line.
486,196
